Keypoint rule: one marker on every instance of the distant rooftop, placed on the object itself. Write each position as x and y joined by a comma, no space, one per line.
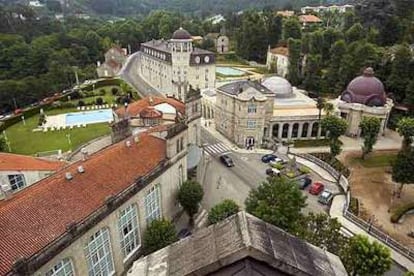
16,162
240,245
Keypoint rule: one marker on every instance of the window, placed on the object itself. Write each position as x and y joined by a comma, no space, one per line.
152,204
177,146
181,143
251,108
180,175
98,254
128,230
62,268
17,181
251,124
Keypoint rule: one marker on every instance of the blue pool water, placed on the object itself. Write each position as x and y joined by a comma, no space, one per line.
89,117
230,71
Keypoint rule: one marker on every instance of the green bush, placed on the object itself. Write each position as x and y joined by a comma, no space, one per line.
278,166
336,164
304,170
222,210
398,212
290,174
159,234
102,92
26,113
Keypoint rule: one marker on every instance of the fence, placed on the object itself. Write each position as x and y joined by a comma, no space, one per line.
371,229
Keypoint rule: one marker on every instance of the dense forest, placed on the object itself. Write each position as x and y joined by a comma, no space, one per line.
195,7
40,55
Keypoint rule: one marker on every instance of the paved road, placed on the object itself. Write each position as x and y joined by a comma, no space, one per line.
248,173
129,73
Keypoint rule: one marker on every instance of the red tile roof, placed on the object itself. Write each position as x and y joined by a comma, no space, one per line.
38,215
16,162
136,107
150,112
280,51
309,18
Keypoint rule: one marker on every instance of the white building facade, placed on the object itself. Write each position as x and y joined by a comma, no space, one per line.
170,66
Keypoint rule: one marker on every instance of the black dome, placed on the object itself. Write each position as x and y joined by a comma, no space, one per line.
181,34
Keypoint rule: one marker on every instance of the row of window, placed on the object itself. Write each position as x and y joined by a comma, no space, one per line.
98,252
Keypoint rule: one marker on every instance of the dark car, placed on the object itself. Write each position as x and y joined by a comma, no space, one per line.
268,157
304,182
184,233
226,160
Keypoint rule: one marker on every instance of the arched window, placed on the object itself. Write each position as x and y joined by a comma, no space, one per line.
128,230
305,128
275,130
285,130
315,128
62,268
99,254
295,130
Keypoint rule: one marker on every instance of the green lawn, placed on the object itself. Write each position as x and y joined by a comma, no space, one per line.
24,141
311,143
382,160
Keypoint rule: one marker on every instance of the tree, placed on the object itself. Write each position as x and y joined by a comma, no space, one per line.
361,257
291,29
223,210
409,93
329,108
159,234
335,127
370,127
322,231
294,76
3,144
402,169
320,103
405,128
277,201
355,33
190,195
312,73
334,79
400,76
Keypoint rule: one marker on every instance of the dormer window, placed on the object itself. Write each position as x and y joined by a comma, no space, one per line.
17,181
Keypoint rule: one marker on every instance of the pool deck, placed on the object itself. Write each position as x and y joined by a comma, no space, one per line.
59,121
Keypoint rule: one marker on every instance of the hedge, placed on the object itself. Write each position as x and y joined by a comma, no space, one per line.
400,211
27,114
336,164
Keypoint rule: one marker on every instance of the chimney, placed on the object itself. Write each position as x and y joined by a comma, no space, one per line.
151,100
81,169
84,154
6,190
136,139
128,143
68,176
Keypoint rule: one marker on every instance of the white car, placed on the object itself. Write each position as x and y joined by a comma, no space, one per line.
276,161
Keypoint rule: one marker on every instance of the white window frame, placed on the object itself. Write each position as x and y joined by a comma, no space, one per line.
17,180
128,220
251,108
152,202
62,268
251,124
98,253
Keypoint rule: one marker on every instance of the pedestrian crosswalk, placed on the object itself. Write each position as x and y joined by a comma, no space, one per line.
216,149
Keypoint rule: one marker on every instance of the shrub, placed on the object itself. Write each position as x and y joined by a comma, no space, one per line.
304,170
99,101
114,91
290,174
42,119
102,92
278,166
81,103
400,211
222,210
159,234
190,195
335,163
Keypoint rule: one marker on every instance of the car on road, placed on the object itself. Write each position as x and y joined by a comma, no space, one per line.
316,188
272,172
183,233
226,160
268,157
277,160
304,182
325,197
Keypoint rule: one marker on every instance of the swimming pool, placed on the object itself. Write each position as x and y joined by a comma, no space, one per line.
230,71
89,117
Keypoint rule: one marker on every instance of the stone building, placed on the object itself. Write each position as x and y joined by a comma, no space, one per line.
88,218
277,59
18,172
364,97
240,245
221,42
170,66
114,60
251,113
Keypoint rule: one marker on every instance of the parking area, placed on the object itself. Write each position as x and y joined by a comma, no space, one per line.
255,164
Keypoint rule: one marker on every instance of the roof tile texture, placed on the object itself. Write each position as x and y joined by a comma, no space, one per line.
16,162
35,217
135,108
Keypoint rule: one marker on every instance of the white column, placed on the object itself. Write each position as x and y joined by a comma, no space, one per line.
300,131
310,125
319,132
290,129
280,130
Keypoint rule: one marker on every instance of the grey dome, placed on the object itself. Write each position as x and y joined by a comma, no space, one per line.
181,34
281,87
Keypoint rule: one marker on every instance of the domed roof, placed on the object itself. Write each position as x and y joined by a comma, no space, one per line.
181,34
150,113
279,86
365,89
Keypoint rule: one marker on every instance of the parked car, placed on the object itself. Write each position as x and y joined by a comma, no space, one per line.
272,172
226,160
276,160
304,182
325,197
316,188
268,157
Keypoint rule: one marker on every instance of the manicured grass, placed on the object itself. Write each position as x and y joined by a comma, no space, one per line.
382,160
311,143
24,141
